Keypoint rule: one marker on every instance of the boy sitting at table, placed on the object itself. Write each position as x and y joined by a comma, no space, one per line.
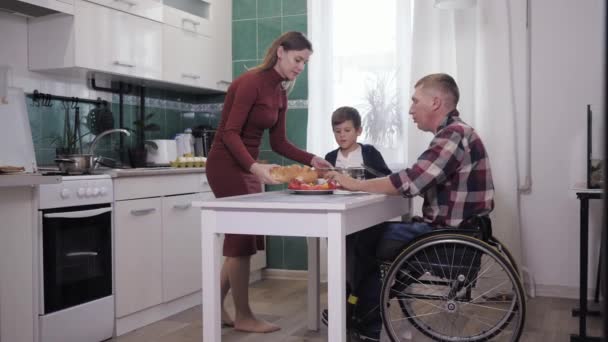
346,125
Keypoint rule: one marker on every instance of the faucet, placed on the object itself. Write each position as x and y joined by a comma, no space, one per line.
115,130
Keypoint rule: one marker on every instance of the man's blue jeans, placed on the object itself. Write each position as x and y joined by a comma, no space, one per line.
395,237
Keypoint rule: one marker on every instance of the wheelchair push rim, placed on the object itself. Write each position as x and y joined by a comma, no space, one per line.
453,288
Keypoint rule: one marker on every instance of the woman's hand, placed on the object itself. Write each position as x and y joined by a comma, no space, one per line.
345,181
263,172
320,163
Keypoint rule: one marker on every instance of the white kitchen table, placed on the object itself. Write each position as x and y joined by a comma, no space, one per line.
285,214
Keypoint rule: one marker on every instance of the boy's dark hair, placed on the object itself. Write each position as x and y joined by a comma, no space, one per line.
345,113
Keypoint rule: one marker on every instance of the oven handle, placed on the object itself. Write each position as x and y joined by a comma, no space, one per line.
79,214
73,254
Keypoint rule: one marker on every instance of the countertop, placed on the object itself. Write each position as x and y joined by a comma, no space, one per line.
149,171
26,179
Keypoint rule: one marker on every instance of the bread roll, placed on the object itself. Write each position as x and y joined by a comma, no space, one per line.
287,173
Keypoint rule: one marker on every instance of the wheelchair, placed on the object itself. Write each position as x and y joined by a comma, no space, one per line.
453,285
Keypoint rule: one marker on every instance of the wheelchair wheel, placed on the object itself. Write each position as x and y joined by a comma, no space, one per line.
453,288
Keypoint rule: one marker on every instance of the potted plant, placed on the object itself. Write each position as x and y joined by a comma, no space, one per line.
137,152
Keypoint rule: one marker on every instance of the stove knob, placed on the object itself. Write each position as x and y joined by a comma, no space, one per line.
81,192
96,192
89,192
103,191
65,193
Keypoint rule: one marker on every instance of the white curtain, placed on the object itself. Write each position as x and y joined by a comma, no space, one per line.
475,47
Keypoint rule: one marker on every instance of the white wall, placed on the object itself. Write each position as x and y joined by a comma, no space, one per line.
13,52
567,74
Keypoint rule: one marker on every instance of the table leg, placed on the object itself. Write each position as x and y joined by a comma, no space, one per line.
336,278
584,244
314,305
212,330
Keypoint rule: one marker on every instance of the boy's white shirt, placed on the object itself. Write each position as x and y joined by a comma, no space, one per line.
354,158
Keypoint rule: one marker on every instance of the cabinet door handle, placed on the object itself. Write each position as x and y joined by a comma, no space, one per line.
223,82
182,206
125,64
192,76
188,20
130,3
140,212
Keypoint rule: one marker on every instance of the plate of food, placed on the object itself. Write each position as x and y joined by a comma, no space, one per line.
303,180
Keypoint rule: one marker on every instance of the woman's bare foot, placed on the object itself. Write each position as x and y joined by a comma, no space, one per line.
226,320
255,325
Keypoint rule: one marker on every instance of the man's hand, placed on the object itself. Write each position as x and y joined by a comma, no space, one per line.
345,181
263,172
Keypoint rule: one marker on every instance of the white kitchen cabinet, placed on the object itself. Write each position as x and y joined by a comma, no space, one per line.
182,269
186,57
221,32
138,255
150,9
197,43
96,38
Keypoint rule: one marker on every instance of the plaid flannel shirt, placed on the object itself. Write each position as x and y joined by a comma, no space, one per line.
453,175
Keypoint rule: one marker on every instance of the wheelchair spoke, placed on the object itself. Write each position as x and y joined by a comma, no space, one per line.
428,263
479,276
420,300
495,287
488,307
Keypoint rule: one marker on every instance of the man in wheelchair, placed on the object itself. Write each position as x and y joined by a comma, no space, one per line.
453,175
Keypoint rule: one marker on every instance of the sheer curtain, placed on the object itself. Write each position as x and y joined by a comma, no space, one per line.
354,53
358,63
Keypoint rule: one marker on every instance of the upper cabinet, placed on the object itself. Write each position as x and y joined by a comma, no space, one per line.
182,42
97,38
197,43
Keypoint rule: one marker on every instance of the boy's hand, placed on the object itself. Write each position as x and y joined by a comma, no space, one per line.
320,163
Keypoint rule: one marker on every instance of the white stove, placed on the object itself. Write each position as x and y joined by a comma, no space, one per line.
76,303
76,191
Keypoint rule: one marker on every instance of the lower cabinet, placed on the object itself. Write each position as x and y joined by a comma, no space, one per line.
138,254
181,236
157,239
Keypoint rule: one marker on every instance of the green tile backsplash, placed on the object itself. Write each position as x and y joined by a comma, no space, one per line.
255,26
47,125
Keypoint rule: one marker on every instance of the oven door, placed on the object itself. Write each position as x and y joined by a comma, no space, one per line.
76,255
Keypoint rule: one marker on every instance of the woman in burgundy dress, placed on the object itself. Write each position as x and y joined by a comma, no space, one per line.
255,101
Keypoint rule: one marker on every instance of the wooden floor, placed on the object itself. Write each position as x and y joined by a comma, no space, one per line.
283,302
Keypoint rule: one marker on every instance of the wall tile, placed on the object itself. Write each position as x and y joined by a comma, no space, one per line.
274,252
300,90
297,121
291,7
268,30
295,23
269,8
243,9
295,252
244,40
240,67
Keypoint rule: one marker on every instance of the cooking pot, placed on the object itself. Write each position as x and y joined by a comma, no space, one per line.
75,163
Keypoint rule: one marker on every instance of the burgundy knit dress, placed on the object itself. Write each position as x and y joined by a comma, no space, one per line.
255,101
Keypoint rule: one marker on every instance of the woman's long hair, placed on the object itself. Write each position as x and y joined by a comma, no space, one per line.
292,40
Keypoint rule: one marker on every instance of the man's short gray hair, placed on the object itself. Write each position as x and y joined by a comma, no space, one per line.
442,82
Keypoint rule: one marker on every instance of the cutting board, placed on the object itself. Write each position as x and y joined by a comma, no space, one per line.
16,144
